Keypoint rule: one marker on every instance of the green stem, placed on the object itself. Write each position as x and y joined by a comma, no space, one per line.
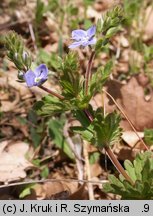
52,92
88,72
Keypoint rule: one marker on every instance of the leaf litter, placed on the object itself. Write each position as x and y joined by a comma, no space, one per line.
129,94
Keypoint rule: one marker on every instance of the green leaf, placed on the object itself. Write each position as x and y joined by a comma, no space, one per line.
50,59
143,187
115,181
100,44
39,12
82,118
100,77
146,171
26,191
71,80
72,10
107,130
87,23
85,133
36,162
45,172
35,136
130,169
94,157
132,10
50,105
36,130
17,53
112,31
111,20
148,136
55,128
138,169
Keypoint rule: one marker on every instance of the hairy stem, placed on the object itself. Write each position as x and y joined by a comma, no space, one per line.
117,164
127,118
88,72
88,114
52,92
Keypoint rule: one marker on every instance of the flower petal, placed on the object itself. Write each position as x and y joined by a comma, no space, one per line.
41,71
78,34
41,81
86,43
92,41
91,31
75,44
29,77
89,42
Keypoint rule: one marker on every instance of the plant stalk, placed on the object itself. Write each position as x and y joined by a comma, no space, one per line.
52,92
88,72
117,164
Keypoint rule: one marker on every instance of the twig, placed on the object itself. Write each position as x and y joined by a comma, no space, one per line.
52,180
87,166
131,124
32,36
52,92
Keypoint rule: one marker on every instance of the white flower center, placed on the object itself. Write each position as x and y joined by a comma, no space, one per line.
37,79
85,39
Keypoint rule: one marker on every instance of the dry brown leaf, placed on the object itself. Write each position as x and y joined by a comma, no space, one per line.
59,190
12,161
97,101
124,41
136,59
131,138
80,194
7,106
148,30
102,5
131,98
53,190
91,13
95,170
125,152
122,67
9,80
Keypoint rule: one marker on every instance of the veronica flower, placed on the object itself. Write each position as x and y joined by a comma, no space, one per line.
36,77
83,37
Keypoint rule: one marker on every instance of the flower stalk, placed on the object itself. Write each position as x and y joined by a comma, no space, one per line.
89,116
51,92
88,72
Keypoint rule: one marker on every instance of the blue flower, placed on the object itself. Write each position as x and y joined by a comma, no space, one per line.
83,38
36,77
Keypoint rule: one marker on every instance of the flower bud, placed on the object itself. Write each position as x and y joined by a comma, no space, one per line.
20,75
26,59
16,56
24,56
